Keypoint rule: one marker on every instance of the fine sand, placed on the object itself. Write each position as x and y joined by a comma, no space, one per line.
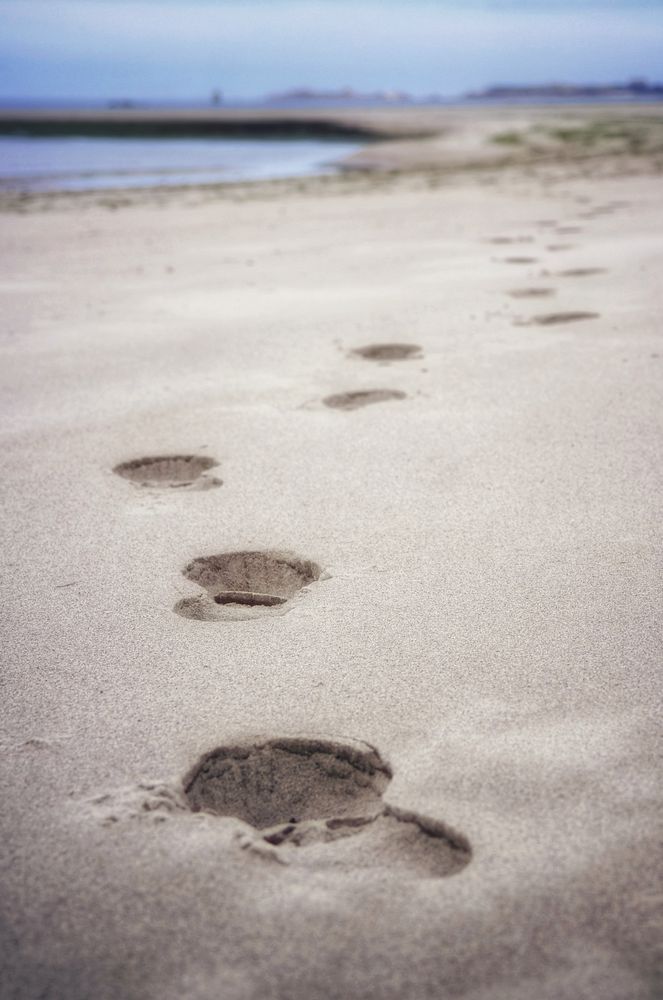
332,589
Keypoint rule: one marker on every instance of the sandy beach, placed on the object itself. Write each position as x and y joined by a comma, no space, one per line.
332,590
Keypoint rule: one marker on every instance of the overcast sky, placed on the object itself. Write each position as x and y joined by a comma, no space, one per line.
185,48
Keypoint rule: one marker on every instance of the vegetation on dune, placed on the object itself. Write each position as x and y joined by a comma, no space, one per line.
509,138
619,135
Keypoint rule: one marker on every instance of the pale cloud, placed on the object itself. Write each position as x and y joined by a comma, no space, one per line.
170,48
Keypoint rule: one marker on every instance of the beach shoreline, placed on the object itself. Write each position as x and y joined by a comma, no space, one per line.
433,146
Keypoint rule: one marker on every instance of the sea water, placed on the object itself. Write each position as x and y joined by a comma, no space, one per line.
80,163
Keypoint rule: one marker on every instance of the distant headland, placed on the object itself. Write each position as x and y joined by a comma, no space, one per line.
341,95
563,91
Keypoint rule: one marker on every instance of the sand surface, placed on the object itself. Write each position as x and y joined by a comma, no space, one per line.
474,639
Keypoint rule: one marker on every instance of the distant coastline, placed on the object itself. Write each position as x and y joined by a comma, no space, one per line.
222,111
318,117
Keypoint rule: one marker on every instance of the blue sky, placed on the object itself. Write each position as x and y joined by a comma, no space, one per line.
184,48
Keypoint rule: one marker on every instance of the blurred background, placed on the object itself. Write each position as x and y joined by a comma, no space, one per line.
124,55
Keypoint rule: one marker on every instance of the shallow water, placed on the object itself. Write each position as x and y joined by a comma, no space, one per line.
79,164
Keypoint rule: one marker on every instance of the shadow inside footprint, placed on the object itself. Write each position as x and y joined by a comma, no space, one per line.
169,472
362,397
324,796
551,319
245,585
388,352
520,260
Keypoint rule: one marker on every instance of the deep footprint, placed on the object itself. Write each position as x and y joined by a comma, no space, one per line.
245,585
169,472
324,796
551,319
388,352
362,397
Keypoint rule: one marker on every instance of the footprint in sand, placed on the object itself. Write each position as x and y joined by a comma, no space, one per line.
170,472
531,293
503,240
520,260
361,397
317,804
242,586
560,246
387,352
582,272
552,319
568,230
608,209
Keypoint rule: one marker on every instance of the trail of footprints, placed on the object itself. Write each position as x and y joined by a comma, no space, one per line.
539,291
381,353
313,804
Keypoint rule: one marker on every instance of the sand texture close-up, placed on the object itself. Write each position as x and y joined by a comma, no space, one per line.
332,586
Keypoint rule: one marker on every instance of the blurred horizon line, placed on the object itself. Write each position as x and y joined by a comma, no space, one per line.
215,96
